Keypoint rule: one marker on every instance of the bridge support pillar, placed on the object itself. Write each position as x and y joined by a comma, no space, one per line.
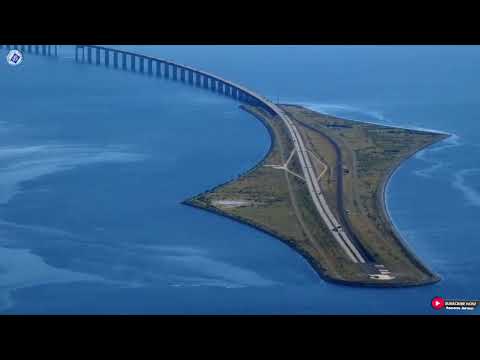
97,56
150,66
89,55
115,59
132,63
198,79
166,70
44,50
124,61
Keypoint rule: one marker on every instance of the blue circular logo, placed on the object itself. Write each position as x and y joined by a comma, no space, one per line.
14,57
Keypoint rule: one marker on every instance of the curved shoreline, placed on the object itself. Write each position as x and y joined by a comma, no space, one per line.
382,199
257,165
312,262
383,208
243,94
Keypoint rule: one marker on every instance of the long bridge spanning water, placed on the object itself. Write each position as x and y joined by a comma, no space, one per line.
129,61
157,67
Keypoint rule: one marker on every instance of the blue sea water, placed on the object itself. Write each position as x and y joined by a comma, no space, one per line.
94,164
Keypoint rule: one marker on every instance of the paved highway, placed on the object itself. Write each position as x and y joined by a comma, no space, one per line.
316,194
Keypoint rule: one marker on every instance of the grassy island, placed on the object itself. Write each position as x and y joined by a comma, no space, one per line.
353,162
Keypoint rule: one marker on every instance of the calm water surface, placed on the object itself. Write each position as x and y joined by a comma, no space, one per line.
94,164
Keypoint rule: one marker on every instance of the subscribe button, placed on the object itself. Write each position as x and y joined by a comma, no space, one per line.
439,303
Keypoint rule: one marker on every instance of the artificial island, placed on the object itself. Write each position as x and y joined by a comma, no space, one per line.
320,189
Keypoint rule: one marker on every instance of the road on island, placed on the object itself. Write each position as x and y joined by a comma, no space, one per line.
313,186
315,192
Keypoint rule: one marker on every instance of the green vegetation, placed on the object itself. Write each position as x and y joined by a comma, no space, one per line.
278,202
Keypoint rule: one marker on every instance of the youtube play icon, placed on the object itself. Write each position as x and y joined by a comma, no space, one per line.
438,303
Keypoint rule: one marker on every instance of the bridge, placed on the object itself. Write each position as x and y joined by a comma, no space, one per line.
153,66
129,61
45,50
133,62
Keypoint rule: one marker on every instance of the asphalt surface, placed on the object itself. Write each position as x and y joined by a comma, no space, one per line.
334,226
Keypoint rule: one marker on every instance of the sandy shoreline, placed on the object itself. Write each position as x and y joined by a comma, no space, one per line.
382,206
